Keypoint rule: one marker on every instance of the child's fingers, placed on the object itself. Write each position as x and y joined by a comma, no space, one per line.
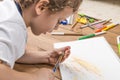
64,49
67,48
58,52
67,53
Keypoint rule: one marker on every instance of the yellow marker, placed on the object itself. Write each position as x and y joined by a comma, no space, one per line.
82,20
109,26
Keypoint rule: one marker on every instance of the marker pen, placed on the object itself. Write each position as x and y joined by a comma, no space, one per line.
99,30
110,26
91,35
118,42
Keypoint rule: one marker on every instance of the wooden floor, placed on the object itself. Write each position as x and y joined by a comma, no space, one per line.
45,42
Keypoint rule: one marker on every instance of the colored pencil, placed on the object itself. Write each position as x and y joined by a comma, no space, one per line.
66,34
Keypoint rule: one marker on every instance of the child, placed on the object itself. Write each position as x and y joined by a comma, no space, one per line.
41,16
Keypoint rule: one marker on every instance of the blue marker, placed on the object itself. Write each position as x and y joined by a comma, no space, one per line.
64,22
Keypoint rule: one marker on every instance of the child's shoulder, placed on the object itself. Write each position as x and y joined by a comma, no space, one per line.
7,9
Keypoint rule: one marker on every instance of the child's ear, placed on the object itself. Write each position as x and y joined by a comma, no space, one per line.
41,6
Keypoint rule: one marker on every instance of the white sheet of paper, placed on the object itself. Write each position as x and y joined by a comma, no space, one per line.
90,59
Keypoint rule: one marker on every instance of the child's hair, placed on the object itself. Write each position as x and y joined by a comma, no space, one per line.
54,5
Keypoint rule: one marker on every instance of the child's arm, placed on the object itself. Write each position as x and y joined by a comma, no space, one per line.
6,73
44,56
32,57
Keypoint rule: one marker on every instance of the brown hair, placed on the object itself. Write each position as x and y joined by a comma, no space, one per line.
54,5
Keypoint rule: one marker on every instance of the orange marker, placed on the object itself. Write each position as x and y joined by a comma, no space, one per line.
99,30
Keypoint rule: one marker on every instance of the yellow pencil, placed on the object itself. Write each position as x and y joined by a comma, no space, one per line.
58,61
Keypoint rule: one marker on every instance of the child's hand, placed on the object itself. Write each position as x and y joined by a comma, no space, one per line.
53,56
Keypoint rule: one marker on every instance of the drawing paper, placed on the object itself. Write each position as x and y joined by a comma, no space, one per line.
90,59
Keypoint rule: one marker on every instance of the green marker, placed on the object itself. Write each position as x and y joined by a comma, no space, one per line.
81,15
118,42
91,35
91,20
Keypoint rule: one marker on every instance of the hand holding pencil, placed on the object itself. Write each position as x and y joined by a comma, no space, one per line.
58,55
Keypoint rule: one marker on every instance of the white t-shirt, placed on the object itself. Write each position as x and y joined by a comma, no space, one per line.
13,33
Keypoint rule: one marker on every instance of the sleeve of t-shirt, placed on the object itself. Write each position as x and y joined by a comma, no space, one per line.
6,46
5,51
13,33
12,43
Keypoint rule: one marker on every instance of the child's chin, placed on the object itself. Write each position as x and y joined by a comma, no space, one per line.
37,34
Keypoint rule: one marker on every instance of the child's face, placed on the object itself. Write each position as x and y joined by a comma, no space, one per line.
46,22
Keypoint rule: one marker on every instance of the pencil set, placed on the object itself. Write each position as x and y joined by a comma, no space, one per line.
99,26
92,23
